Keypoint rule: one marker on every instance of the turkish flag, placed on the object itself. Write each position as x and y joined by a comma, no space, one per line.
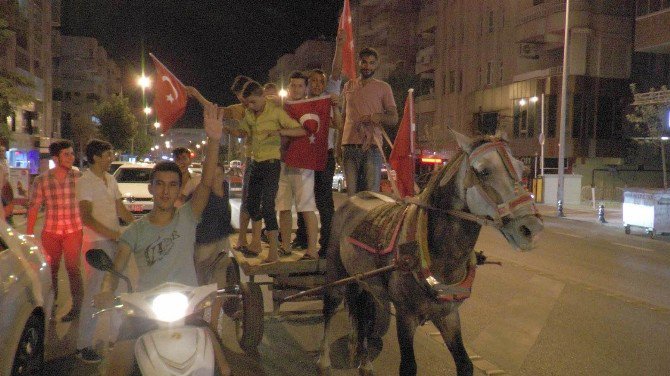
346,27
169,96
311,150
401,158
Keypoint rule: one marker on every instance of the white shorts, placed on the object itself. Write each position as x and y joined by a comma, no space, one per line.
296,185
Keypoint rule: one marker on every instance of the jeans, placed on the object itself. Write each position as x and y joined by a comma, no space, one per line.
323,194
262,192
362,168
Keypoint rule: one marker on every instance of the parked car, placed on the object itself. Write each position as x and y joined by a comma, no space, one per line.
235,177
196,168
26,301
115,166
133,179
339,182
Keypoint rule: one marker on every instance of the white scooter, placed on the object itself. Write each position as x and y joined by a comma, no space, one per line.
175,348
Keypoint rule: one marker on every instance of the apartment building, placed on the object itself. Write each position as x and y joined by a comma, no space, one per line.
651,60
311,54
27,52
388,27
85,76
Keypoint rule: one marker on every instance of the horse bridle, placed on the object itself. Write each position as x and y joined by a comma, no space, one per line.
520,205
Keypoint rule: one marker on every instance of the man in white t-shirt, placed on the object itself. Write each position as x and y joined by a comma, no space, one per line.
101,207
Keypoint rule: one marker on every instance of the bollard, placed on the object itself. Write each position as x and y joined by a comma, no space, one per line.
601,214
560,209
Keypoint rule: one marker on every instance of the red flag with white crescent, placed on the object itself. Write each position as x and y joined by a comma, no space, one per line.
311,150
169,96
346,27
401,158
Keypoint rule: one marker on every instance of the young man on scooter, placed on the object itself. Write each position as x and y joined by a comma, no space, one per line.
162,242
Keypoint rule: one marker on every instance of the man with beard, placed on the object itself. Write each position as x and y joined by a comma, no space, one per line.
369,105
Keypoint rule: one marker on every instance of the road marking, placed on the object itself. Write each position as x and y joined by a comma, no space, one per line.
570,235
634,247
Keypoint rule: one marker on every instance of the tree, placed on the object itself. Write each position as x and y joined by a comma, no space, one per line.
649,122
118,125
80,131
11,94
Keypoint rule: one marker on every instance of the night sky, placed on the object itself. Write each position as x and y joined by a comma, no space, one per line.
204,43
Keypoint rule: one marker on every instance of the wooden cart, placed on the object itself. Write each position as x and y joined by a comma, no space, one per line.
244,300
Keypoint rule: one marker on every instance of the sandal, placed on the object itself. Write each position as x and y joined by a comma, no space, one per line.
243,249
284,252
307,257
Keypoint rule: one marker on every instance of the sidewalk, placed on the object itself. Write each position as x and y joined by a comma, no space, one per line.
586,213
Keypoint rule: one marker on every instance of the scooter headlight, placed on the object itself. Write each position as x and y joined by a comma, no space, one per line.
170,306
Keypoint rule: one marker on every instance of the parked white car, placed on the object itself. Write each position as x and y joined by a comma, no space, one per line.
26,301
339,183
133,179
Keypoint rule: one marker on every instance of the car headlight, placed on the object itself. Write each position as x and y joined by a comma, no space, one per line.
170,306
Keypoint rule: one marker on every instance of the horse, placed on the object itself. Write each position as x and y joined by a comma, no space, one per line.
431,239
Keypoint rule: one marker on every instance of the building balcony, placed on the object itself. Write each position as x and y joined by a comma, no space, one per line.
544,24
425,60
651,32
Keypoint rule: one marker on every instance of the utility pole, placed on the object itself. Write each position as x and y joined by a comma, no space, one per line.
564,111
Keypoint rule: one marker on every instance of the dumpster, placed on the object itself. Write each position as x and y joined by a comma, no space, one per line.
648,209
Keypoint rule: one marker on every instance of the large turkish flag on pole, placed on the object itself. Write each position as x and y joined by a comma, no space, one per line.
311,150
346,27
169,96
402,155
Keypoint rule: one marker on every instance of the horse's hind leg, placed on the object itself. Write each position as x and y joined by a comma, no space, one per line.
331,300
363,310
406,327
450,328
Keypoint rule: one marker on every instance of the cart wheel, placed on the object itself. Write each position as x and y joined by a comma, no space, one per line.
249,324
232,273
626,229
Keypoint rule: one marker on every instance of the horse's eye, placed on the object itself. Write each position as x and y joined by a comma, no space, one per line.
484,173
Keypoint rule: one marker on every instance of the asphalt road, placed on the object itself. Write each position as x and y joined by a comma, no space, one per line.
589,300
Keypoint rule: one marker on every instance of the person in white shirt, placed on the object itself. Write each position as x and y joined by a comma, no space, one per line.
182,157
100,207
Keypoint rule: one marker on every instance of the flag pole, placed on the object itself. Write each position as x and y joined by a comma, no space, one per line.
412,133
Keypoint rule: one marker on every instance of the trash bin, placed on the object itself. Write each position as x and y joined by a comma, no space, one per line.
646,208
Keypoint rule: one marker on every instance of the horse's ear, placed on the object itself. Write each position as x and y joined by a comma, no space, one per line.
463,141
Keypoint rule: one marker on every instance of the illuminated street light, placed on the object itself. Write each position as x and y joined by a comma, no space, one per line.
283,93
204,142
534,99
144,82
522,102
147,110
157,125
197,146
167,144
157,147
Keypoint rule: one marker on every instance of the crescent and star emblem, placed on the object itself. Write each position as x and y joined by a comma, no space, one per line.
169,97
304,118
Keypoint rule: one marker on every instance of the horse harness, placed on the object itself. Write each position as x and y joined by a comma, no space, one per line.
413,255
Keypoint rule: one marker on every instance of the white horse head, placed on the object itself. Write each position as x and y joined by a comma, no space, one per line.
491,185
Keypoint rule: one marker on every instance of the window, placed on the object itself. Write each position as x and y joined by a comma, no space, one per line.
460,81
551,107
488,123
501,72
526,117
489,73
491,21
452,81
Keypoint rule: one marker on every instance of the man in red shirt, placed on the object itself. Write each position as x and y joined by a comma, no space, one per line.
62,231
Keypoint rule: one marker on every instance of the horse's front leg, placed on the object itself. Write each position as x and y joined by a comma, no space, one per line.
406,325
450,327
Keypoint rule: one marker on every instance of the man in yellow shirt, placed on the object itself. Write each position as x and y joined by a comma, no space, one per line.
265,122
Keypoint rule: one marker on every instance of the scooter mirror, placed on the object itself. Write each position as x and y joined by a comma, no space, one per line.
98,259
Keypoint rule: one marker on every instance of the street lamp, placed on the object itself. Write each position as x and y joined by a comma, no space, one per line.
144,82
147,110
157,125
283,93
